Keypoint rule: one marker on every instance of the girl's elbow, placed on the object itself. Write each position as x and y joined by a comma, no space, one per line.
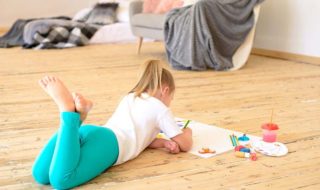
186,147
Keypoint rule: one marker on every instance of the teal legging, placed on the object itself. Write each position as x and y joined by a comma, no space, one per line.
75,155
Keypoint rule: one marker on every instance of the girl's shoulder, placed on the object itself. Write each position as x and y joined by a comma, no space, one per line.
147,101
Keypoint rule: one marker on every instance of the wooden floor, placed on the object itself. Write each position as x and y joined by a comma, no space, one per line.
240,100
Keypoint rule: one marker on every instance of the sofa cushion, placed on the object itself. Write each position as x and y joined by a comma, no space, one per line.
149,6
166,5
148,20
103,13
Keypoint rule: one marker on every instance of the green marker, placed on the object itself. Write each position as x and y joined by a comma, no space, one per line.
185,125
236,139
231,139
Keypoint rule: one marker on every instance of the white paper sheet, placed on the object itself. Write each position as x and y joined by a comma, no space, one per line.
212,137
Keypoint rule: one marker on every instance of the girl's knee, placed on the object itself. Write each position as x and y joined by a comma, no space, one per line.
60,182
40,176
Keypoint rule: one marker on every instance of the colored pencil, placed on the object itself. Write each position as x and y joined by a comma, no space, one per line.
185,125
236,139
232,140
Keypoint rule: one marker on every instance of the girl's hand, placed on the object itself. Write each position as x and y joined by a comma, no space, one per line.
184,140
187,130
172,147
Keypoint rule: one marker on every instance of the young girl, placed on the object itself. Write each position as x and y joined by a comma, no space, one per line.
78,153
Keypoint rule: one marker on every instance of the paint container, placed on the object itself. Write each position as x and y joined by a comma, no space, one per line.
242,154
269,132
252,156
244,140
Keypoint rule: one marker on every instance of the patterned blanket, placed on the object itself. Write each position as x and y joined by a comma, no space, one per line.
53,34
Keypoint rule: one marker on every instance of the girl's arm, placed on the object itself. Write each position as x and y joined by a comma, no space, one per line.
171,146
184,140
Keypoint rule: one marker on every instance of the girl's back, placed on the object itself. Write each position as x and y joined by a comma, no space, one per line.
136,123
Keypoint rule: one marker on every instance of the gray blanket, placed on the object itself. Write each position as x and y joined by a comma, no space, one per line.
207,34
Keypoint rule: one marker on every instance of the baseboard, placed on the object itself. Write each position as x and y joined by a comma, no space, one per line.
286,56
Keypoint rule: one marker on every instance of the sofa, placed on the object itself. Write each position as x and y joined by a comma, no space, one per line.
145,25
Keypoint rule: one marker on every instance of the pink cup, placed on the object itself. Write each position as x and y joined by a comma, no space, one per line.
269,132
269,136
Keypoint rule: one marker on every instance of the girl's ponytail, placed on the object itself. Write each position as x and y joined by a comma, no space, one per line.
154,75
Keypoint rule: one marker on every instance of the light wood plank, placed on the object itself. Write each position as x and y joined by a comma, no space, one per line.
240,100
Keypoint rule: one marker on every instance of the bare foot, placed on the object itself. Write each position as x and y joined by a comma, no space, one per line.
83,105
58,92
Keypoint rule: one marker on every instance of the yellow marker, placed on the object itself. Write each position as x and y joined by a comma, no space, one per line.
242,154
159,135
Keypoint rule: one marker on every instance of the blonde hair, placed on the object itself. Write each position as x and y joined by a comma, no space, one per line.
152,78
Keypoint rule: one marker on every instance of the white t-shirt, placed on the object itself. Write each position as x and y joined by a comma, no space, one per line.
136,123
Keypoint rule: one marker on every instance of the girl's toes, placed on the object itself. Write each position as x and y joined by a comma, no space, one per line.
77,100
54,79
42,83
79,96
47,78
74,95
81,101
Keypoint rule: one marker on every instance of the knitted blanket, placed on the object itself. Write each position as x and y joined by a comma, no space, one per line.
208,33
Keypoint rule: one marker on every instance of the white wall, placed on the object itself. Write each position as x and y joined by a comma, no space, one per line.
11,10
290,26
284,25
